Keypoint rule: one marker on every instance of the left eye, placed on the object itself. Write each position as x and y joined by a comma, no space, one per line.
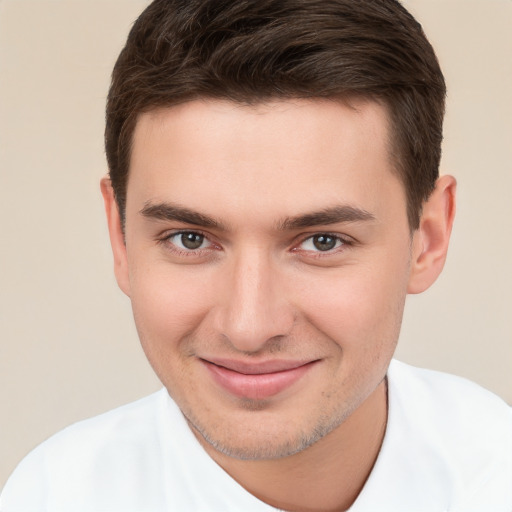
189,240
322,242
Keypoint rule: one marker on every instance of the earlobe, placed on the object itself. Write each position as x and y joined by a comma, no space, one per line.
116,236
431,239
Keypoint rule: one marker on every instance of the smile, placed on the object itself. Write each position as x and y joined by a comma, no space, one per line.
257,381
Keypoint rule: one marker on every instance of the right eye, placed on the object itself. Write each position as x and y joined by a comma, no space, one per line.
188,241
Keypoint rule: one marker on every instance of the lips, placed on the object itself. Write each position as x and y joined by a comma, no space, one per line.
256,381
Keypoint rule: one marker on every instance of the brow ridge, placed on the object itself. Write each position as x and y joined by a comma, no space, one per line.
331,215
175,212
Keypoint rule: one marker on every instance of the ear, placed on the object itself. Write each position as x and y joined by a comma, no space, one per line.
116,236
430,240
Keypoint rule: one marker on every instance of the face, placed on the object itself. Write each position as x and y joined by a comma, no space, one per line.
267,260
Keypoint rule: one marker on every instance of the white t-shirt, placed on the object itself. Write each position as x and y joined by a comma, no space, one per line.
448,447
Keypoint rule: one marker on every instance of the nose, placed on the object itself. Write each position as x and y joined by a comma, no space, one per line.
253,310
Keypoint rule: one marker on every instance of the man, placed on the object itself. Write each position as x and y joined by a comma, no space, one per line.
273,196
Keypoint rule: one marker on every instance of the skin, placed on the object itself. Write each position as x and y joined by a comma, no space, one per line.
245,184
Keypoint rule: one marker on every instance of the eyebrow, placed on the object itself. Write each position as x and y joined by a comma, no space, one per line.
171,211
333,215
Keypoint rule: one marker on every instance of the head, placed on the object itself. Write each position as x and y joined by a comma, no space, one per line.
273,196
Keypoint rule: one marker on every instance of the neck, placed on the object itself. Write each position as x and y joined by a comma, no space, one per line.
326,477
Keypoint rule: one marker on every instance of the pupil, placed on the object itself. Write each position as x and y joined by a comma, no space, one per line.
192,240
324,242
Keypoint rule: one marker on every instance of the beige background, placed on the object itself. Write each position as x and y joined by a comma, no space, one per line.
68,348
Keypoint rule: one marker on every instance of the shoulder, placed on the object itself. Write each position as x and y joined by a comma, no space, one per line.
457,429
139,457
133,421
448,400
98,447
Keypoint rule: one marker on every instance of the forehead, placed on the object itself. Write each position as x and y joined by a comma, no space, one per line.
291,155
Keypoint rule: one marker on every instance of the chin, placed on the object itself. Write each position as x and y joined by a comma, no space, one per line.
264,441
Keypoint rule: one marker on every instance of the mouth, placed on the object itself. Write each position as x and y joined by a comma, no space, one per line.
257,381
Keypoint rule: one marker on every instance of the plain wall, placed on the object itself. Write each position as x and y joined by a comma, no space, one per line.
68,346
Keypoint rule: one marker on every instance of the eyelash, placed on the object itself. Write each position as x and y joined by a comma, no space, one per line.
165,240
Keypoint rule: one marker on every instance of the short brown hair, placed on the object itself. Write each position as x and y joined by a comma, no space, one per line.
251,51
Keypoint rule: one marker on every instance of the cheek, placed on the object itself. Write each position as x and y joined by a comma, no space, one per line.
168,308
168,303
360,309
